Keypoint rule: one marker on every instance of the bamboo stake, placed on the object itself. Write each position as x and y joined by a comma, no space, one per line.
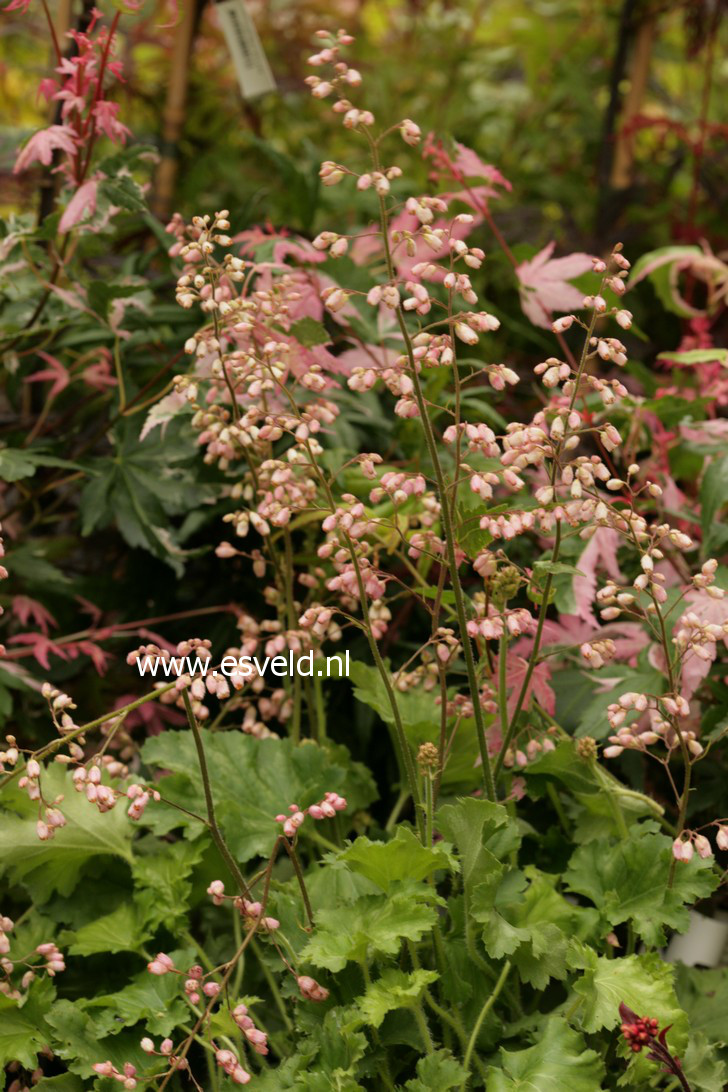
623,162
174,110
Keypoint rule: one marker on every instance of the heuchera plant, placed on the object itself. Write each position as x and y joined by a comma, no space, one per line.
486,935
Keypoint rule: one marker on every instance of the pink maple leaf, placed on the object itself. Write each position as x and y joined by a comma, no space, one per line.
464,164
98,375
41,146
544,286
89,608
629,637
601,551
55,372
708,610
26,609
98,657
82,202
41,647
538,686
107,121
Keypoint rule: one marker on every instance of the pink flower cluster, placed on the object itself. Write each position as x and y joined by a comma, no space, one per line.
257,1038
228,1060
126,1077
325,809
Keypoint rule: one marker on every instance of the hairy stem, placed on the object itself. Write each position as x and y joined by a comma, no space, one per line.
215,831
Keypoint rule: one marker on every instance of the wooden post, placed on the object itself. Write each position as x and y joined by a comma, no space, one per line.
174,110
623,163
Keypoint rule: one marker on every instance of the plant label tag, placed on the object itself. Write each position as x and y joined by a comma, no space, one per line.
251,64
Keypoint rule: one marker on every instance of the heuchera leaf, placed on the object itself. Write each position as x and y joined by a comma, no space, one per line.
627,881
155,1000
119,931
394,990
558,1062
254,780
388,863
642,982
438,1070
374,924
23,1028
703,993
526,919
52,866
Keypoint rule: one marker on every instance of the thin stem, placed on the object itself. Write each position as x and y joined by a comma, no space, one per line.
481,1017
421,1021
533,659
272,986
502,676
209,802
449,532
290,850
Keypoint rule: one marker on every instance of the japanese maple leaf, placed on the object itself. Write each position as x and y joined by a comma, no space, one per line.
600,552
26,609
708,610
98,376
55,372
538,686
82,202
98,657
106,117
41,647
464,164
544,284
629,637
43,144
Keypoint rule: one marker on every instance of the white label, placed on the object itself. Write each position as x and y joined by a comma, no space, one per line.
251,64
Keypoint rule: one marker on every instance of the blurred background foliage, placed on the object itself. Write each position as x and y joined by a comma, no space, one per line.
609,117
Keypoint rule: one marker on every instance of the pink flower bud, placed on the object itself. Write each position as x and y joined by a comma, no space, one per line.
681,850
311,989
703,846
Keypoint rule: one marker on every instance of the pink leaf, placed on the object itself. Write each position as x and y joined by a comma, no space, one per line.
709,611
538,686
41,146
601,551
40,646
26,609
465,164
544,284
82,202
55,372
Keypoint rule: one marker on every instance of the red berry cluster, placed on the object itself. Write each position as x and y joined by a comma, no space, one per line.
640,1033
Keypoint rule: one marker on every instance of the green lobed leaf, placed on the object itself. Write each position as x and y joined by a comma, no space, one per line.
703,993
704,1068
526,919
253,780
627,881
23,1027
388,863
644,983
558,1062
438,1070
155,1000
120,931
394,990
56,865
373,925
